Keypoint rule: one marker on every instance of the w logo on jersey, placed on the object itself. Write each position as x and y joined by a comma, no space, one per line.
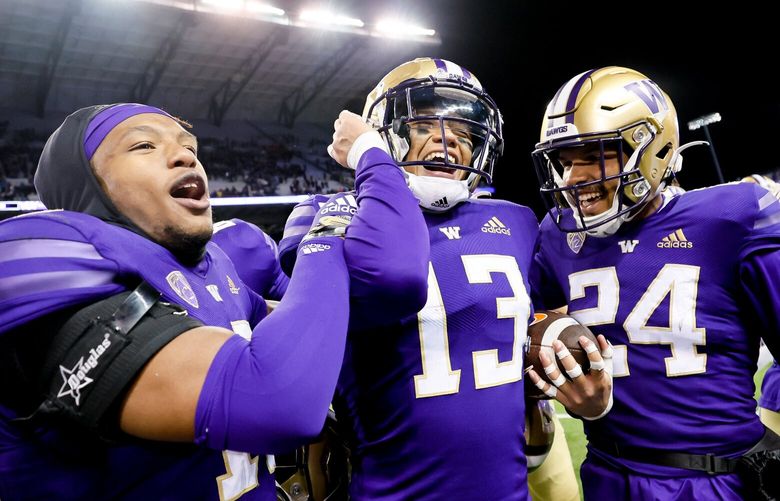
627,246
649,92
451,232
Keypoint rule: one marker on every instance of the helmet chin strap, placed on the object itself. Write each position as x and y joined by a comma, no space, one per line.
438,194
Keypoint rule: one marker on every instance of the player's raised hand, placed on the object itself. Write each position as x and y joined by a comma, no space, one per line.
346,129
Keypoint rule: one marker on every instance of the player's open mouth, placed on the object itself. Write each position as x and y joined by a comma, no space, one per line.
434,158
190,191
589,200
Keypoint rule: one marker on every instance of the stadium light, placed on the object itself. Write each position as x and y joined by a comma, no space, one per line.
398,28
264,8
230,5
251,6
703,122
328,18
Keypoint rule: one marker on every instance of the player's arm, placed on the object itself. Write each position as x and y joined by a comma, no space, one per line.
758,275
759,268
388,277
267,394
165,376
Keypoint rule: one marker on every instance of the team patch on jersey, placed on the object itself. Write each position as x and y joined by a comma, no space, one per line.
181,287
675,240
575,241
495,226
232,285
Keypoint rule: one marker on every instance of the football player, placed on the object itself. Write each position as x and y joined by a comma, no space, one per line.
682,286
769,403
255,256
132,354
435,401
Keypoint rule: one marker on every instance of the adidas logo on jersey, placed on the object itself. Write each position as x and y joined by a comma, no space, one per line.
495,226
442,202
676,240
346,204
312,248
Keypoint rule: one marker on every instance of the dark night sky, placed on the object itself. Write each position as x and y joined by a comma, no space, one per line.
706,60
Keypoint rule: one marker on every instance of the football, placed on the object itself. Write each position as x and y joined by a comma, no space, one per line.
546,328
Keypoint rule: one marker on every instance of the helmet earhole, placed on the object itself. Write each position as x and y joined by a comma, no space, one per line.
400,127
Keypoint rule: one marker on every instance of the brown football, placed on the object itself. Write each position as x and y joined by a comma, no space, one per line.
546,328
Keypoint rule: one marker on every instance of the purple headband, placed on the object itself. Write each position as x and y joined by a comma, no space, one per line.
105,121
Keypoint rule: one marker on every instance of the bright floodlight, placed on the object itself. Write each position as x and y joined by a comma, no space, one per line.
399,28
329,18
703,121
225,4
264,8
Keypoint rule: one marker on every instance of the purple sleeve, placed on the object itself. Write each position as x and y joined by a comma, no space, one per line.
295,228
272,393
758,274
45,266
279,287
388,276
546,293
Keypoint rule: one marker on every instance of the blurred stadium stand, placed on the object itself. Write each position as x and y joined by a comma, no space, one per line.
262,91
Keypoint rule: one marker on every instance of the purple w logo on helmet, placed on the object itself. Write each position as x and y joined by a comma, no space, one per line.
649,92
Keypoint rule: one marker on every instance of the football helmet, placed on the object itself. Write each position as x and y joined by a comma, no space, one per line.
437,95
318,471
621,110
539,431
765,182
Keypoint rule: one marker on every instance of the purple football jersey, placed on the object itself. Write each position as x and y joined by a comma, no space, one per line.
254,255
56,259
667,293
435,402
770,388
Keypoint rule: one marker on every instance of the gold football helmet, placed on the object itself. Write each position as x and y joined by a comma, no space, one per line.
437,93
539,431
618,109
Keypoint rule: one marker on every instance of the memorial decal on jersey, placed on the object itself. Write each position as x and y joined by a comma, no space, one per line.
232,285
576,241
181,287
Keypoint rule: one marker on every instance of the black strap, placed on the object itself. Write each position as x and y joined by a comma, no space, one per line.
134,307
710,463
